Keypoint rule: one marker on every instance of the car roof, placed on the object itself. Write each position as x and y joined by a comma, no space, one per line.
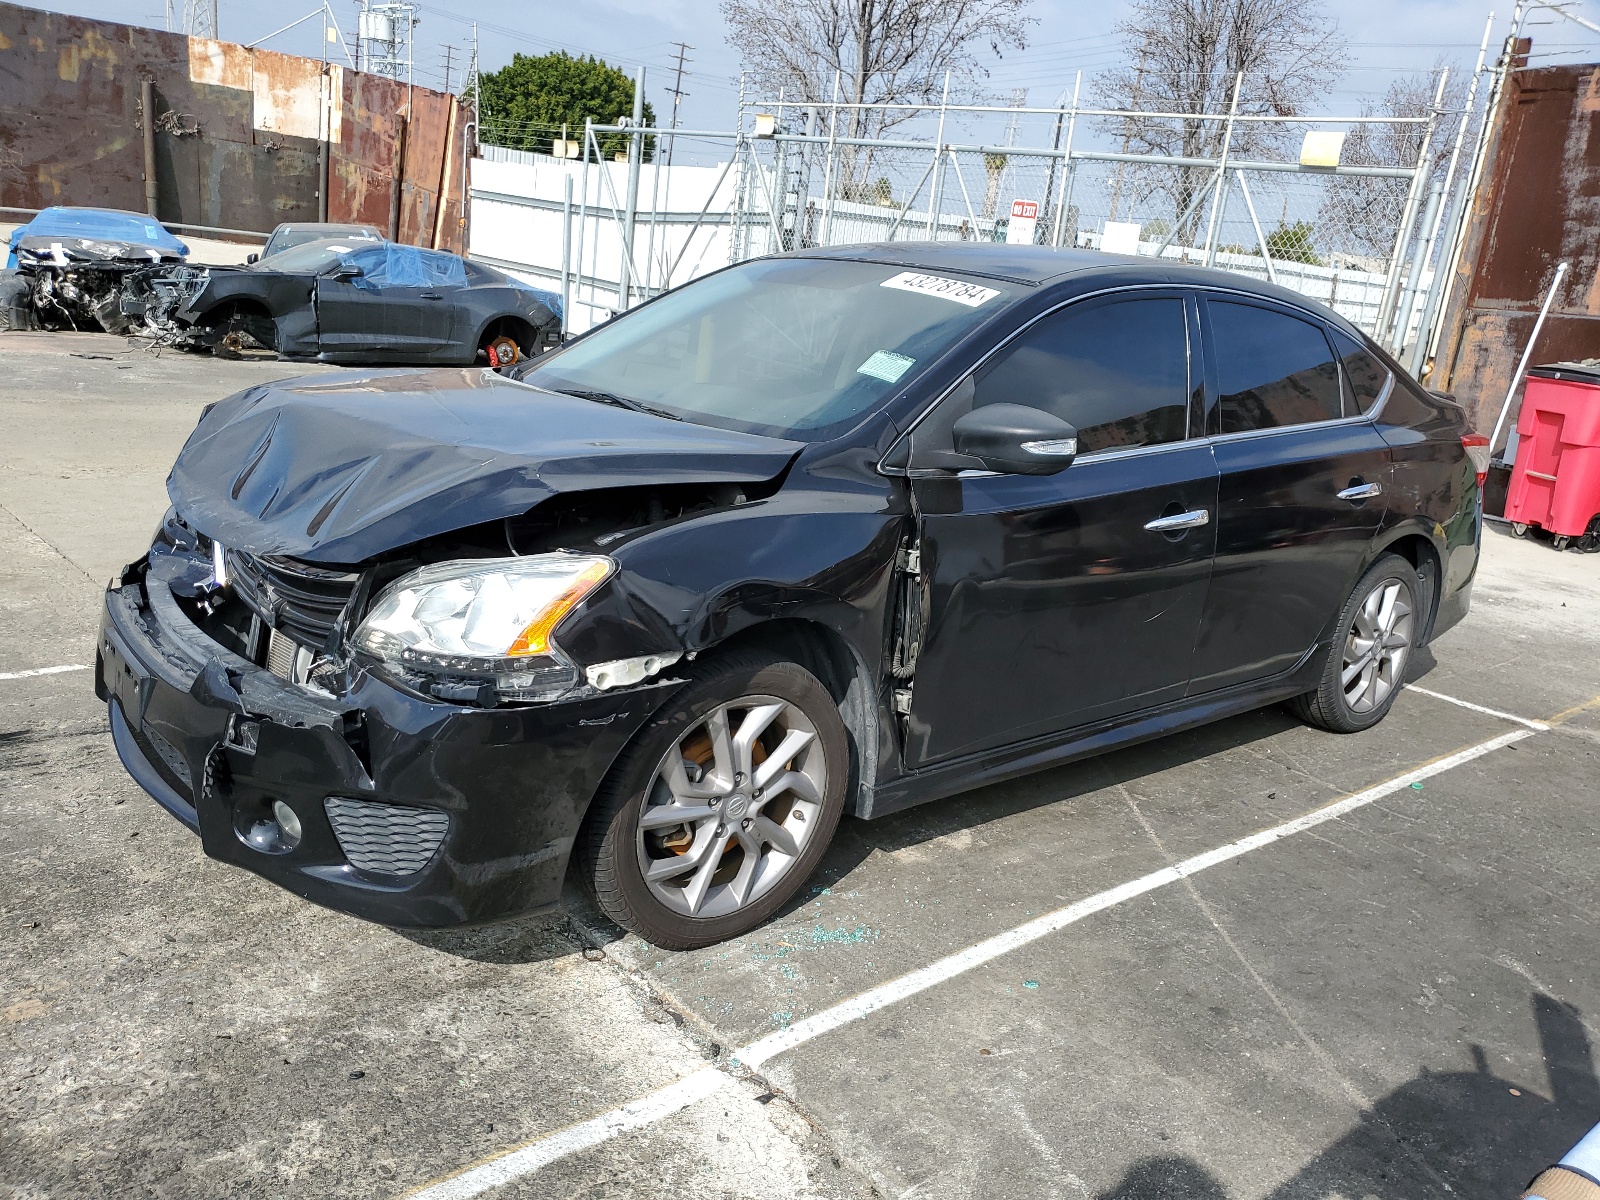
1040,265
332,227
1018,264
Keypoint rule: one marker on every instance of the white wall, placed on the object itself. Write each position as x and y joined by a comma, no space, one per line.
517,225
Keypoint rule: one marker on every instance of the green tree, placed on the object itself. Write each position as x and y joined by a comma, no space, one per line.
1292,243
526,103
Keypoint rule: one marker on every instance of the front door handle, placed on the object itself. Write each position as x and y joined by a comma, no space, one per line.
1361,491
1184,520
432,296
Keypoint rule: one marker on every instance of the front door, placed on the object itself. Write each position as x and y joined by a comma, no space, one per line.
392,312
1057,601
1304,479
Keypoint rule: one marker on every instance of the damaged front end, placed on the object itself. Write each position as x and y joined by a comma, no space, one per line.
156,303
387,668
79,283
364,743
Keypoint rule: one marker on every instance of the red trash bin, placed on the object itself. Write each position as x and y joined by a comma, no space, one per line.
1555,483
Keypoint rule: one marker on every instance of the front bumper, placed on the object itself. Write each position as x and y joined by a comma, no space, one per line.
514,782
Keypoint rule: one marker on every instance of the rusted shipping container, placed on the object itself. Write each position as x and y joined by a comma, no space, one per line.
239,134
1539,205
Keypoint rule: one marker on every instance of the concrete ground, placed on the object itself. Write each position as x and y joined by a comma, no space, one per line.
1397,1003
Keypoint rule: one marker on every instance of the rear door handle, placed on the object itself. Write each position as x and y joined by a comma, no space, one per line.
1186,520
1361,491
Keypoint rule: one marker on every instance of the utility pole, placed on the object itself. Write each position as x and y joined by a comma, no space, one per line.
1127,135
449,60
677,93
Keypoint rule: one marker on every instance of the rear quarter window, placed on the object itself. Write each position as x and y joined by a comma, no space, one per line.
1364,373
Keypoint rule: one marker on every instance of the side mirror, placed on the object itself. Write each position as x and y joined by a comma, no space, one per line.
1016,440
347,271
252,258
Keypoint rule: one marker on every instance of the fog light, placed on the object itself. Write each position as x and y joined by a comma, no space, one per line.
288,824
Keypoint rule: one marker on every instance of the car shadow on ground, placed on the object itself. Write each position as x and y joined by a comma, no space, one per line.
1464,1133
858,839
521,940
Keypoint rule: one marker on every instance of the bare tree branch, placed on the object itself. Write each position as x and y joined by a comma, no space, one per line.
881,51
1365,210
1189,53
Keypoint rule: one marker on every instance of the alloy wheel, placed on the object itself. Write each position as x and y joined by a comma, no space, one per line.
1378,645
731,807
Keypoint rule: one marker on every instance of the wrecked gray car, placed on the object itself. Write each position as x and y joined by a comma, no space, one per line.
344,301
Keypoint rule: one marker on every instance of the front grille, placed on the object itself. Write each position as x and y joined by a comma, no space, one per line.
391,839
292,597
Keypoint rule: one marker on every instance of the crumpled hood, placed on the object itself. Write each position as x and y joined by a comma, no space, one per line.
340,468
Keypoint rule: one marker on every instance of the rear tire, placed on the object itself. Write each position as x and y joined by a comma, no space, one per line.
1378,627
754,825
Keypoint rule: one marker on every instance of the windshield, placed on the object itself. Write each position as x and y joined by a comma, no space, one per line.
309,259
788,347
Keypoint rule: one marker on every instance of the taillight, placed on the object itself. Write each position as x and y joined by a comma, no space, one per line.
1477,448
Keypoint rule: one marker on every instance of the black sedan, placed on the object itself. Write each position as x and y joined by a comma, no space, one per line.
349,301
829,533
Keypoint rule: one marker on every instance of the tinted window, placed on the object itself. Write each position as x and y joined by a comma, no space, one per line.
1272,369
1119,372
1365,373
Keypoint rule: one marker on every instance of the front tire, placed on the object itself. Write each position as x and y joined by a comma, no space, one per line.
1378,628
721,807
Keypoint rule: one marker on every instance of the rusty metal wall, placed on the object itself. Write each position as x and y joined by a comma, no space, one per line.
1539,204
238,132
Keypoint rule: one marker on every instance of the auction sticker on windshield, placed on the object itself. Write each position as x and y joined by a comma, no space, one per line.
969,294
886,365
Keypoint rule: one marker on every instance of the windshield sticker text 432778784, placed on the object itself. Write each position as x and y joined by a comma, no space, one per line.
970,294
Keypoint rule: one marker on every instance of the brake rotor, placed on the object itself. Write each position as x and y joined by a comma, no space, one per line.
698,751
503,351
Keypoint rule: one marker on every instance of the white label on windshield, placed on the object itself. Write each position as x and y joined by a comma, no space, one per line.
886,365
969,294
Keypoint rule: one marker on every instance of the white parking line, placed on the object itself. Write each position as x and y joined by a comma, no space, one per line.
1540,726
657,1105
42,671
646,1110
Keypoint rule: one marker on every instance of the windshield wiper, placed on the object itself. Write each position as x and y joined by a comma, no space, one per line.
619,401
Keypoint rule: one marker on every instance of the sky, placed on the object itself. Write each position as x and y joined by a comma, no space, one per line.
1387,39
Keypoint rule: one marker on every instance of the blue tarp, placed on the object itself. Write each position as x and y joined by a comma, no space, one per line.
394,265
99,224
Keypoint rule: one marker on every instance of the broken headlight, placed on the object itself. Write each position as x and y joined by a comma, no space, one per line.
481,628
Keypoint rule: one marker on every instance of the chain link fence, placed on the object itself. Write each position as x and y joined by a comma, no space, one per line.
1257,205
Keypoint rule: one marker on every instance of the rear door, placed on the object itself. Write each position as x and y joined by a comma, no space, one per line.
1304,479
1051,601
